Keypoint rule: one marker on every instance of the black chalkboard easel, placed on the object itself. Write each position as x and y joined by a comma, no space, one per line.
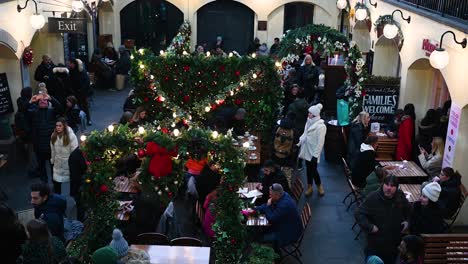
6,105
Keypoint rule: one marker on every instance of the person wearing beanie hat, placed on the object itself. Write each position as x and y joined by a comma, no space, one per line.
374,260
427,208
118,243
311,144
105,255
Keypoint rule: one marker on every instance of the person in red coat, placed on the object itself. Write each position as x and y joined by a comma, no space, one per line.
404,150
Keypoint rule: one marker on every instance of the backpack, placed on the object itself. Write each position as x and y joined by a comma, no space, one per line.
283,142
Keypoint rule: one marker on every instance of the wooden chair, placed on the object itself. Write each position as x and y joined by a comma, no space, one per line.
199,211
186,242
450,221
297,189
445,248
354,191
152,239
294,250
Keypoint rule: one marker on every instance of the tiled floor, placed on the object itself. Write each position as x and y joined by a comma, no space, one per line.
328,239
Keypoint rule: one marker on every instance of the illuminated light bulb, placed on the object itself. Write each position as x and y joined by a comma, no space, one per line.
141,51
176,132
207,108
173,125
361,13
242,83
246,144
161,52
190,117
159,128
439,58
141,130
77,6
254,76
231,93
230,54
341,4
83,138
132,57
110,128
254,55
215,134
174,115
390,31
184,53
151,77
278,64
37,21
142,66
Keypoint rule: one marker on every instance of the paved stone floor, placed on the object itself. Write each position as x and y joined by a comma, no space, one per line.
329,238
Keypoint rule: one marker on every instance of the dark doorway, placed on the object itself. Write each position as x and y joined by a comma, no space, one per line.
151,23
298,15
229,19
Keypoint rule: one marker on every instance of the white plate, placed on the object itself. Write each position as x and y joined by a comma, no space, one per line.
252,148
253,138
253,157
240,137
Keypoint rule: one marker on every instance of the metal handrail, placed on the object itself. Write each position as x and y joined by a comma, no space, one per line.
451,8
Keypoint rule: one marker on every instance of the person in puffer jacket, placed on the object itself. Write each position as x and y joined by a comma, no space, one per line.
365,162
62,143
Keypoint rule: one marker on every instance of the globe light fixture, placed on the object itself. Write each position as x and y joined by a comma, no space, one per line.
37,20
341,4
361,11
176,132
440,58
77,6
391,30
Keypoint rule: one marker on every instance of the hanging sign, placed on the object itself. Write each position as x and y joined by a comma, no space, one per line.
452,134
381,102
6,105
67,25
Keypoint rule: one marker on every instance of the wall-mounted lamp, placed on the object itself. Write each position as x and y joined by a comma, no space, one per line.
391,30
37,20
439,58
77,6
361,11
341,4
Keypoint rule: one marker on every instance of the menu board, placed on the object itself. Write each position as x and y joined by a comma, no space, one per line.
381,102
6,105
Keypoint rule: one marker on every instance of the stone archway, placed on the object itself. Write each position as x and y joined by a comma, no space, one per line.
10,65
386,58
234,22
361,36
425,87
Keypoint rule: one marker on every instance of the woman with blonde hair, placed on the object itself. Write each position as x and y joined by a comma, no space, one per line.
308,77
432,163
357,135
62,143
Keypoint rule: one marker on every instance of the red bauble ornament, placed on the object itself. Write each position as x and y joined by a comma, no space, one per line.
238,101
28,56
146,99
212,152
237,73
221,68
166,78
363,93
186,98
233,241
213,106
169,194
165,130
141,153
103,188
186,68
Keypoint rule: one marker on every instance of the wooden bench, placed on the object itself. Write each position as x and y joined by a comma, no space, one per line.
446,248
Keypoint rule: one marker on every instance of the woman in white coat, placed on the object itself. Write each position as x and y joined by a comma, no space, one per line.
62,142
311,143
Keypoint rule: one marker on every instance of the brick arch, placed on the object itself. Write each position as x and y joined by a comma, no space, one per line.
8,40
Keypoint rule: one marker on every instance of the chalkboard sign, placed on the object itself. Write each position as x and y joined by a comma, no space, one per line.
6,106
381,102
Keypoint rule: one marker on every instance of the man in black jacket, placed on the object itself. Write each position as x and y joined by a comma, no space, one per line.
271,174
365,162
43,124
207,181
49,207
384,217
44,71
449,199
78,166
80,85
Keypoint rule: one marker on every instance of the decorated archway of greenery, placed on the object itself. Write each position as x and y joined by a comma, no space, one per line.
325,41
180,92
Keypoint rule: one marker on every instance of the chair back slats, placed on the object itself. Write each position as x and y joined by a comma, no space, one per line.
199,211
446,248
152,239
306,215
297,189
186,242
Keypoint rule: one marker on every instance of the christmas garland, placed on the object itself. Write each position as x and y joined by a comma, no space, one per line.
28,56
326,41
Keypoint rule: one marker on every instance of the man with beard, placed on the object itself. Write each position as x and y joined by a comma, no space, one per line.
44,71
383,216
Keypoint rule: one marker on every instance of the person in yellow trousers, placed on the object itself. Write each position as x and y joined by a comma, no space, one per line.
311,145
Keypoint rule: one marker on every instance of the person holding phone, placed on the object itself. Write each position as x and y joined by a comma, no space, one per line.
432,163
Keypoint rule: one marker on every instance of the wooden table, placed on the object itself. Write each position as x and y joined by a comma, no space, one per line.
176,255
412,170
413,189
125,185
257,221
250,186
257,144
386,148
